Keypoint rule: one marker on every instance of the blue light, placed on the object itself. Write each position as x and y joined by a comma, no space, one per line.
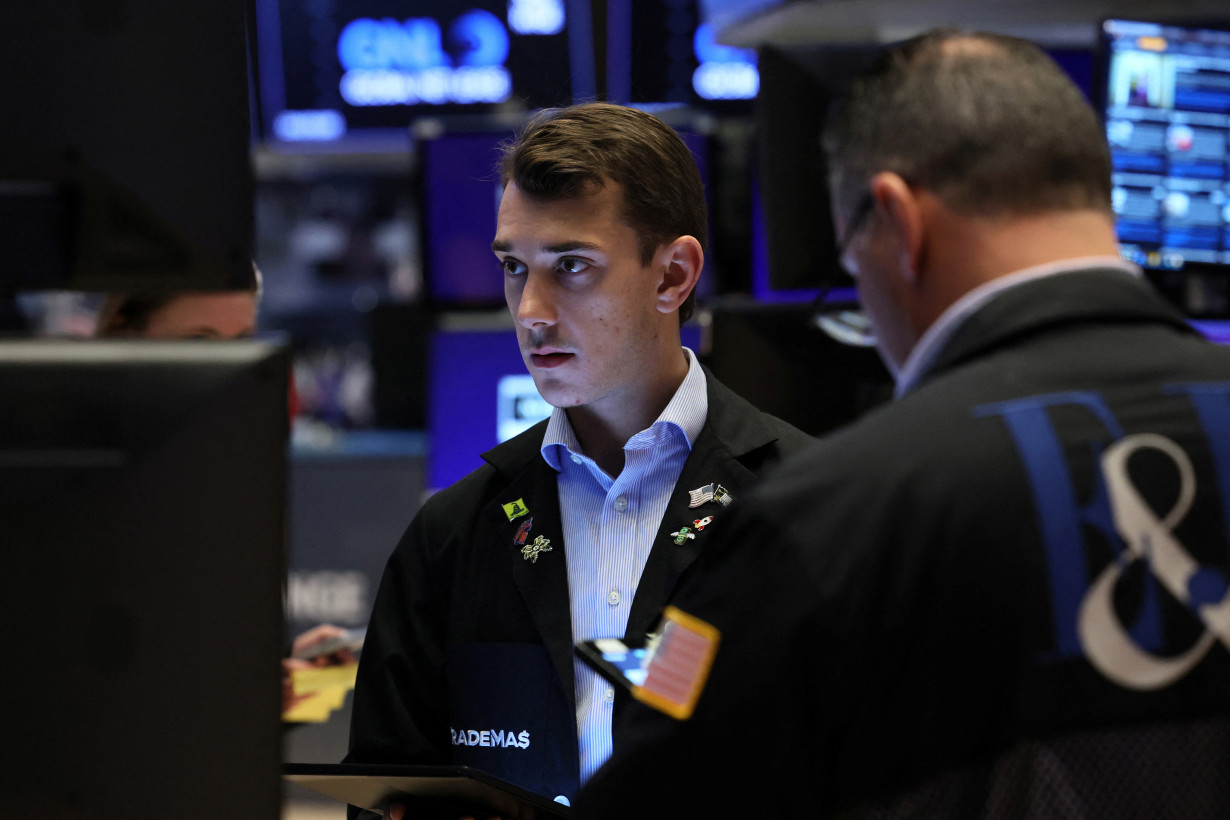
478,38
725,72
323,125
387,44
536,16
709,50
387,62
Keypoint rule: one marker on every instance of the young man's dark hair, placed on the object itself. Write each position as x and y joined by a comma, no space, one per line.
990,124
564,153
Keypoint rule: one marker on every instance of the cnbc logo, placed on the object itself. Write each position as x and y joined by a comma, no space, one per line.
419,61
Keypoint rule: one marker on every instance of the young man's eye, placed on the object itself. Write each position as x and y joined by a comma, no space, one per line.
572,264
512,267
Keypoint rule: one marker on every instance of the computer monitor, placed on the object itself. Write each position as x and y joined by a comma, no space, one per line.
460,193
124,154
1166,100
141,506
353,76
780,359
797,249
660,51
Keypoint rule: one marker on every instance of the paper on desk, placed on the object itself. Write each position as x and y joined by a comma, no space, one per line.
319,691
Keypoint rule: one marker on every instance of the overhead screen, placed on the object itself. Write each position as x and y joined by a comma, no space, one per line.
341,73
1167,110
660,51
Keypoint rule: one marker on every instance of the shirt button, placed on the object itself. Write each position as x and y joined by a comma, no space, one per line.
609,696
621,503
613,597
576,459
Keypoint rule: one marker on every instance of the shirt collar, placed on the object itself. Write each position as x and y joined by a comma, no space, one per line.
686,411
941,330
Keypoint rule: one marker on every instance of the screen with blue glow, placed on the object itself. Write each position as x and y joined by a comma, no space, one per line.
330,71
1167,111
461,196
659,51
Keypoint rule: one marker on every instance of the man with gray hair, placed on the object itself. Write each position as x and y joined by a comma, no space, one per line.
1003,595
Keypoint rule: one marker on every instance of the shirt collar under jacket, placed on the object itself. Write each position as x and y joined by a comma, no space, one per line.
685,413
938,334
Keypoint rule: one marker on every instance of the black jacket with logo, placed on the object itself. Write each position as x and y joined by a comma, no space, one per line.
1002,596
469,652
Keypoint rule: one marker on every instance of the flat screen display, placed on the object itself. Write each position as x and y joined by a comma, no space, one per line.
460,190
660,51
1167,111
142,490
124,155
343,71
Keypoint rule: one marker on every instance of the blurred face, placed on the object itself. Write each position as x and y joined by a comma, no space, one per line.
586,310
223,315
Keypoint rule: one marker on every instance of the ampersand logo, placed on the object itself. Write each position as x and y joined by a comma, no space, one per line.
1105,640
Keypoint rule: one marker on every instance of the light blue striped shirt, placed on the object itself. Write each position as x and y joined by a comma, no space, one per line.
609,528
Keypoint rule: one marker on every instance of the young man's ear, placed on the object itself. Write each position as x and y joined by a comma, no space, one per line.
899,207
680,262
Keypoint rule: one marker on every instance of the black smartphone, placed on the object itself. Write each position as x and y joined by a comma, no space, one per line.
617,661
668,672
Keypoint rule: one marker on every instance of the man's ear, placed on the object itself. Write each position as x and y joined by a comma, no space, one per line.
898,207
680,262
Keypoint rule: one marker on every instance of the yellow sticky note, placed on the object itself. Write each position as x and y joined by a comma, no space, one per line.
319,691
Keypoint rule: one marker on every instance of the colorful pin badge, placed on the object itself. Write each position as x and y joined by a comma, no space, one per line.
707,493
701,495
701,523
683,535
530,551
515,509
523,532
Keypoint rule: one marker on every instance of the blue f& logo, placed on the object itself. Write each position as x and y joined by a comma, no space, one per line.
1084,617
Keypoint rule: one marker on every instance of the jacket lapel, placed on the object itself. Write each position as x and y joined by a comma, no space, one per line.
733,428
541,574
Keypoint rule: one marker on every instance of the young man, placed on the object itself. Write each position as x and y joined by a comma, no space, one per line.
580,527
1012,601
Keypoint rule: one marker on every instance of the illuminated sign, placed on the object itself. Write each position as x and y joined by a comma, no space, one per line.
536,16
391,62
725,72
659,51
361,71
